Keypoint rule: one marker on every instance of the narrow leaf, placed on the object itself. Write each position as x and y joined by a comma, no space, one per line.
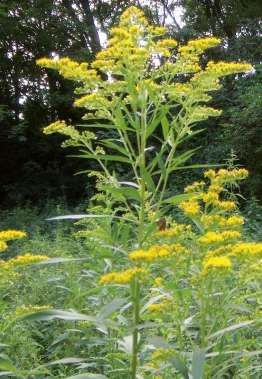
231,329
197,365
87,376
58,314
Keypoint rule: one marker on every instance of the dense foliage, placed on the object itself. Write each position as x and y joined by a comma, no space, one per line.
31,164
151,284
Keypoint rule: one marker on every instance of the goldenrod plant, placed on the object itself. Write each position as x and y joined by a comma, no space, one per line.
150,92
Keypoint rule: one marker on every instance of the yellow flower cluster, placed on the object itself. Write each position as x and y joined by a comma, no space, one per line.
122,277
160,307
55,127
232,221
62,128
174,231
158,282
216,237
246,248
195,187
217,263
226,176
227,68
162,47
197,47
162,354
156,252
133,16
211,198
201,113
3,246
92,101
22,260
8,235
226,205
70,69
190,207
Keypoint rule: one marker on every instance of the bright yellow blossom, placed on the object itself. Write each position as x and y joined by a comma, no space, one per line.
174,231
246,248
195,187
159,307
122,277
190,208
158,281
211,198
227,68
27,259
231,221
8,235
226,205
226,176
156,252
217,263
216,237
3,246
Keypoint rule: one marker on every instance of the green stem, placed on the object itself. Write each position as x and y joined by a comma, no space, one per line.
136,311
141,138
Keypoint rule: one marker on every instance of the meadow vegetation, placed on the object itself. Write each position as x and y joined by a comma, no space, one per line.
146,283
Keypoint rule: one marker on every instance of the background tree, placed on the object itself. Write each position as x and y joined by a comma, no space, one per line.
31,98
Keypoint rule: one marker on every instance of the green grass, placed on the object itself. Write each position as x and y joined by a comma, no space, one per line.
74,285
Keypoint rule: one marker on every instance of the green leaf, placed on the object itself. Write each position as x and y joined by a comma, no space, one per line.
109,143
176,199
165,127
87,376
52,314
197,166
180,366
122,193
231,328
64,361
103,157
182,158
148,179
197,364
126,344
131,184
6,374
6,364
59,260
82,216
110,308
155,121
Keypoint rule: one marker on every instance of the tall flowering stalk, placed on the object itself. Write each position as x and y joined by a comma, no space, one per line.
149,92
